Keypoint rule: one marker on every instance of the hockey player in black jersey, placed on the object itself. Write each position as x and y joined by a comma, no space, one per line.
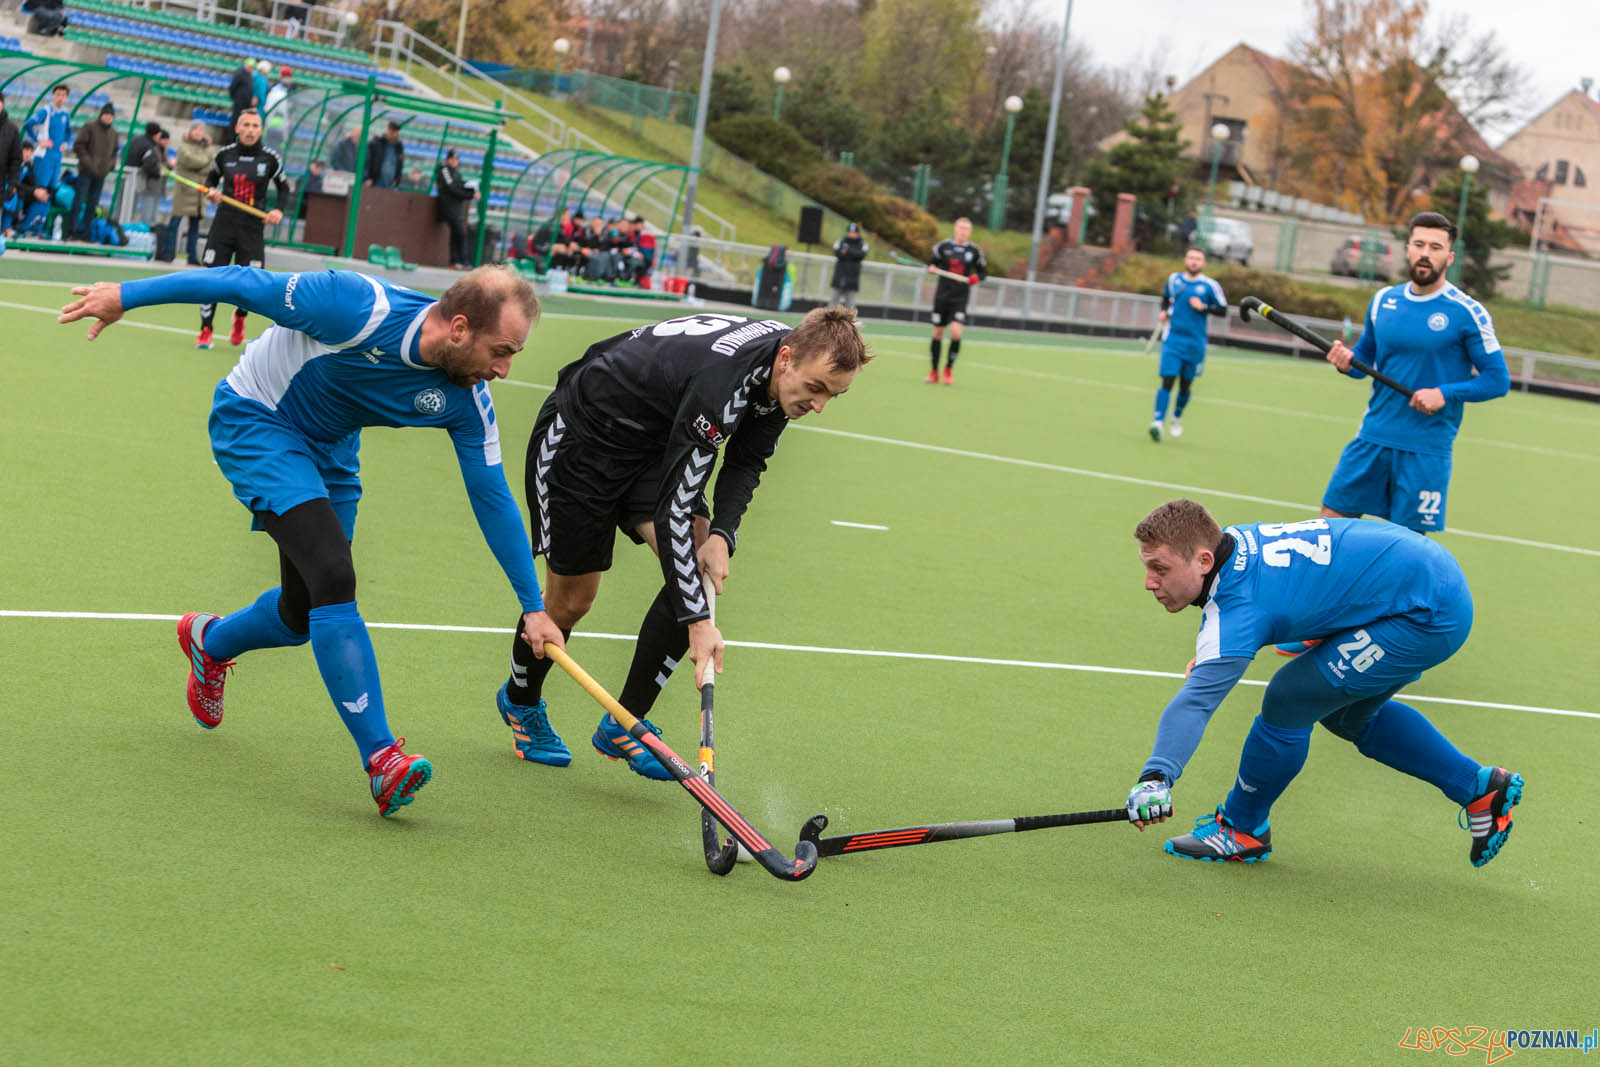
242,171
627,441
956,255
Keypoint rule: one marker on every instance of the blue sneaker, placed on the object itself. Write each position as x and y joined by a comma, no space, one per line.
1216,840
1489,816
615,743
535,741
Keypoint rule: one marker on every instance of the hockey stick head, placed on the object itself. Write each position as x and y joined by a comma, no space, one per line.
1248,305
720,855
812,830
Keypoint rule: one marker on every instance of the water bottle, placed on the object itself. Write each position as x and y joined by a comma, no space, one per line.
55,229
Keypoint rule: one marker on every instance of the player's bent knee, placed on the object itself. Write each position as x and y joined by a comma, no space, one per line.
1167,380
1184,385
332,580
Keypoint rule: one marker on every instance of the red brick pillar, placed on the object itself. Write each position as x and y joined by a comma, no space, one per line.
1080,196
1122,226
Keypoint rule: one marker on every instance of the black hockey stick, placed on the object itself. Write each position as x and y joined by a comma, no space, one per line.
943,831
805,853
720,855
1312,338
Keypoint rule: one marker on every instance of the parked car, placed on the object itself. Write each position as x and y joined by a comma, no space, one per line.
1226,239
1347,260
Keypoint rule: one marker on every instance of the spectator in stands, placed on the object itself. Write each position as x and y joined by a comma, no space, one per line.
279,115
343,156
454,195
46,17
96,148
848,252
260,83
49,129
242,91
312,182
10,154
295,21
28,210
599,248
386,158
147,154
194,162
640,251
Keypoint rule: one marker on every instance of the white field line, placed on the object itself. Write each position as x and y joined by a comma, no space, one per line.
932,657
858,525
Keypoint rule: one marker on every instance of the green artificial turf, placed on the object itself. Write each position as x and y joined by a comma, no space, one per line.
174,895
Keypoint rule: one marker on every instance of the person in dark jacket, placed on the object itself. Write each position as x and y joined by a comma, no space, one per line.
148,152
10,154
242,91
848,252
343,154
386,158
454,196
96,148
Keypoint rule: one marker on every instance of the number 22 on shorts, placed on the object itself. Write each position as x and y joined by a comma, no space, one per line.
1429,504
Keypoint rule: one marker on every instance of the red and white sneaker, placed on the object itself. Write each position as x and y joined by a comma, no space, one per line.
236,334
949,376
932,378
206,675
396,777
204,340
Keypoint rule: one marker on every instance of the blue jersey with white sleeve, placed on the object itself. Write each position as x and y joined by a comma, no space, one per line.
1186,332
1436,341
344,353
1319,577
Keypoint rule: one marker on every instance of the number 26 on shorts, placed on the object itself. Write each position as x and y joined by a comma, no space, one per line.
1360,652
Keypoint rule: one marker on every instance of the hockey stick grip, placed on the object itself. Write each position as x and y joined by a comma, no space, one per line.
230,201
1071,818
1314,339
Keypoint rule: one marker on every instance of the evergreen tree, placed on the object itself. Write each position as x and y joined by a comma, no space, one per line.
1480,234
1145,164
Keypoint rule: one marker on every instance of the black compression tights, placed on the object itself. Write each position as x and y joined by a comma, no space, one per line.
313,561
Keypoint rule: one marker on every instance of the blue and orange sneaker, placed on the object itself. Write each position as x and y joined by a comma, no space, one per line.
1489,816
1294,648
206,675
533,737
1216,839
615,743
396,777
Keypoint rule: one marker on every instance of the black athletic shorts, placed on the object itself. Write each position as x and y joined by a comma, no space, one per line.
948,310
580,493
235,242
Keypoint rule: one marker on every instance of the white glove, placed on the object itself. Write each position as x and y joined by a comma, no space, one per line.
1149,802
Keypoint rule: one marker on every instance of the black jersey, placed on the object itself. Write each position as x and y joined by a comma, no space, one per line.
965,260
671,395
244,173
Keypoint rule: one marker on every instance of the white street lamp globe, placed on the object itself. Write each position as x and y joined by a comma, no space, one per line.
1469,164
1219,132
1013,104
781,75
562,46
351,18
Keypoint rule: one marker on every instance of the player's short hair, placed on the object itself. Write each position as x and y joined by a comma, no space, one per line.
1182,525
831,332
1194,248
482,294
250,112
60,87
1432,220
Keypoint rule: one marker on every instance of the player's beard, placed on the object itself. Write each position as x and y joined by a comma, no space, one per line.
1424,274
453,362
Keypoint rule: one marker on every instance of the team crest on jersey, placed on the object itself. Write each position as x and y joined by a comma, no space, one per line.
429,402
1438,320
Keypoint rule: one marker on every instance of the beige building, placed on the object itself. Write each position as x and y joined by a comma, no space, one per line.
1559,153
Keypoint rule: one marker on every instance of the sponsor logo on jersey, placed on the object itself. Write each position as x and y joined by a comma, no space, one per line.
1389,304
288,291
261,170
429,401
1438,320
708,430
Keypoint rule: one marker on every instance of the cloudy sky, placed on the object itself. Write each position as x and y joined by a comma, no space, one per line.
1555,41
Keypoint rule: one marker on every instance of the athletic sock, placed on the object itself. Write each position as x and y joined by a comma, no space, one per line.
526,685
257,626
1163,396
1399,736
950,360
1183,402
208,315
343,648
663,640
1272,756
239,315
933,347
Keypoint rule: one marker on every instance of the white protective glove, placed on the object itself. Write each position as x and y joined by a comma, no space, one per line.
1149,802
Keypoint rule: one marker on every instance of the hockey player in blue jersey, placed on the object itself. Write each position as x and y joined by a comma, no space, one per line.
347,351
1388,605
1189,296
50,129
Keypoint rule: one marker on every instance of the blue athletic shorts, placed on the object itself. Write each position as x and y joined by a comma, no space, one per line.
1383,656
1407,488
274,467
1182,364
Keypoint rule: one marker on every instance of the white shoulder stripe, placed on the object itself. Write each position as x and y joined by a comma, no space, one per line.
1480,317
411,332
380,311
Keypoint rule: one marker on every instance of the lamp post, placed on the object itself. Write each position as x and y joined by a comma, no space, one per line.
781,75
1002,180
562,47
1469,167
1219,133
